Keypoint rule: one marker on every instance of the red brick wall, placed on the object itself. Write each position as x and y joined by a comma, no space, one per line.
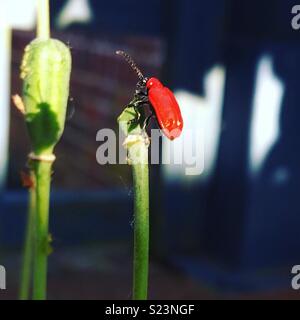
101,85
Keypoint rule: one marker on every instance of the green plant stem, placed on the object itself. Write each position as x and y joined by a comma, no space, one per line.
131,124
43,19
139,152
43,177
26,272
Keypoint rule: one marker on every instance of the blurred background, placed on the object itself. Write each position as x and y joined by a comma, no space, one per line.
231,232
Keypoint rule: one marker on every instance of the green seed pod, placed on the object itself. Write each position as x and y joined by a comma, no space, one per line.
46,70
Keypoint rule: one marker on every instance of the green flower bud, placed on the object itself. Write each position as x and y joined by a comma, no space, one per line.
46,70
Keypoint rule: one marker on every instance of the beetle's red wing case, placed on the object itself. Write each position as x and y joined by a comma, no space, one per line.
167,111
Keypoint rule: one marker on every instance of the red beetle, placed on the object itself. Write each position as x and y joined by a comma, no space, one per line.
163,101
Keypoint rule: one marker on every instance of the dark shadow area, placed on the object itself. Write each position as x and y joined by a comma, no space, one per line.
44,122
253,222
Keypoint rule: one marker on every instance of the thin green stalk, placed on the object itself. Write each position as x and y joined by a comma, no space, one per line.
43,176
45,70
26,272
141,222
43,19
131,123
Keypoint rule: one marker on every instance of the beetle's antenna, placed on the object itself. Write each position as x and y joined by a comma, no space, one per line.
132,64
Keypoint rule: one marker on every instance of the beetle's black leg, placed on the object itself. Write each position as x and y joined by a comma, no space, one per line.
136,105
148,119
137,119
140,101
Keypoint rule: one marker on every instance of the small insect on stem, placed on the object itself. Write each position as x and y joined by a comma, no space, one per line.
131,62
162,100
